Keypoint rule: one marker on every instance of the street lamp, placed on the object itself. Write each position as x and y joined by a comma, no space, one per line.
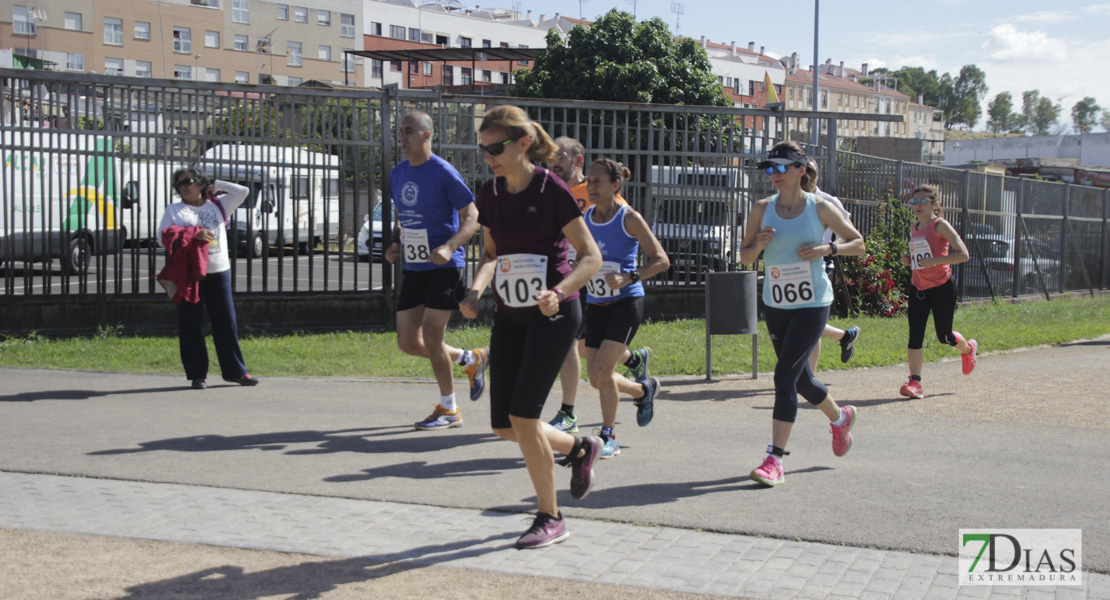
38,15
196,68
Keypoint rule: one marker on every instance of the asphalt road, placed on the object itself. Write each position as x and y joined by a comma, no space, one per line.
1019,444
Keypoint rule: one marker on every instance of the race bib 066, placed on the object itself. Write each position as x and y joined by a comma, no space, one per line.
791,284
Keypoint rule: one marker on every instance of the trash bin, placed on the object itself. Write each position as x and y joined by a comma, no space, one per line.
731,307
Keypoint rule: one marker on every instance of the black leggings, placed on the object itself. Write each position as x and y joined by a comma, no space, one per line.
794,333
526,352
941,300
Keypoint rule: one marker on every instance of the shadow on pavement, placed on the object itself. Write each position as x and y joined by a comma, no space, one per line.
716,395
422,470
394,439
310,579
81,394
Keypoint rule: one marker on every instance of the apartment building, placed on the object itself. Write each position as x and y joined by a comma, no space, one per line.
837,92
243,41
404,25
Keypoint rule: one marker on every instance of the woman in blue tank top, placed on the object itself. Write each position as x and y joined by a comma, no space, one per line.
615,297
787,229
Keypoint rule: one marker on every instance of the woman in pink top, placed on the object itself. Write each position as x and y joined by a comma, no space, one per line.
934,245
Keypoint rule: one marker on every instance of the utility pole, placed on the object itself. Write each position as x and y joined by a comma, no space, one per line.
679,9
38,15
161,38
816,125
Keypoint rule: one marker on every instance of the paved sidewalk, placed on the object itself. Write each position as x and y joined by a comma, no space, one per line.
650,557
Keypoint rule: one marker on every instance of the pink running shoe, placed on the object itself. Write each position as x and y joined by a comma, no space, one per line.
971,357
912,389
842,436
769,473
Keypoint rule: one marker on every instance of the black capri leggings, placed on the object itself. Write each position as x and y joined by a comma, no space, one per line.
941,300
794,332
526,351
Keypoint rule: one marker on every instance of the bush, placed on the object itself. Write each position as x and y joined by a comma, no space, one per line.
878,280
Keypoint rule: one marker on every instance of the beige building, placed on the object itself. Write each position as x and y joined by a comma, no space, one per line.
244,41
838,92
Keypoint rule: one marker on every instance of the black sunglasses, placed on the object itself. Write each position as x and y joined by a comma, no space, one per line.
180,183
496,148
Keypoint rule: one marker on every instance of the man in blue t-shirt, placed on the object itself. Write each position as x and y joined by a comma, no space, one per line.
436,215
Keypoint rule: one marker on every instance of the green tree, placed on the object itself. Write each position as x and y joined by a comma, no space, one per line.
1104,119
1000,112
618,59
968,91
1045,116
245,119
1084,114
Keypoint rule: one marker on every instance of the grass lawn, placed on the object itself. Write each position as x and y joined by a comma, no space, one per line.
679,345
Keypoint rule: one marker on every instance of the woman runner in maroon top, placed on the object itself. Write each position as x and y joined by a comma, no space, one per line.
527,216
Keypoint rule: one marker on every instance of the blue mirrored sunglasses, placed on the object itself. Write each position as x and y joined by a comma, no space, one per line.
919,201
776,169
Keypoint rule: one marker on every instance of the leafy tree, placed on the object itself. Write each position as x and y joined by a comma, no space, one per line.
969,89
1104,119
618,59
1084,114
1000,112
245,119
1045,116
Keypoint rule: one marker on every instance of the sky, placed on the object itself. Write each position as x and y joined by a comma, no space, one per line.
1061,48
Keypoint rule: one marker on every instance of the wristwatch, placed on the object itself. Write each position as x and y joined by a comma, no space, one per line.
634,276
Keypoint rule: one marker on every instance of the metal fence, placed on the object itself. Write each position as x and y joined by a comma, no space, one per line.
88,159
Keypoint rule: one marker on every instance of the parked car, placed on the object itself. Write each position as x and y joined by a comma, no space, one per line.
995,255
369,241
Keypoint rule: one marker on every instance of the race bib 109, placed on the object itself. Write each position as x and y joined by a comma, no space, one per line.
919,251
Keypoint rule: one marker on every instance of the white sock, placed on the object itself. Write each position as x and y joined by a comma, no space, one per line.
465,358
841,419
775,458
448,402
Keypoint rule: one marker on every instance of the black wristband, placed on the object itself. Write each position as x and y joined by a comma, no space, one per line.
832,246
634,276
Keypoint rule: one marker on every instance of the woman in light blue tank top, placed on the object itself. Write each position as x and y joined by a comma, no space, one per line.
787,229
615,299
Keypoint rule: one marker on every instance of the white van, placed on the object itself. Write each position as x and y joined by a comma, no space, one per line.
60,198
698,215
294,194
146,189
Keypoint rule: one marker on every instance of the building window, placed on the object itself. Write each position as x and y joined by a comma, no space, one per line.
465,42
113,31
522,62
428,68
426,37
283,12
300,14
324,53
505,78
414,67
262,45
504,44
442,40
241,42
293,49
240,11
142,68
75,62
211,39
348,61
73,21
487,43
448,75
467,77
347,25
751,88
142,30
487,76
182,72
375,68
22,23
242,77
375,28
395,66
113,66
182,40
414,34
323,17
208,3
397,32
212,75
293,81
824,99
